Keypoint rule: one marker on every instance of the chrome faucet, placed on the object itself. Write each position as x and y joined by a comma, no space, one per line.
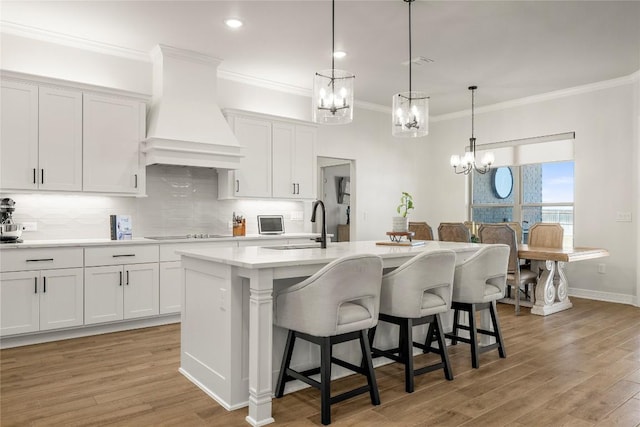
323,234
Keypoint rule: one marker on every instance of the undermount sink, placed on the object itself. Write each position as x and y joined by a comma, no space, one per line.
290,247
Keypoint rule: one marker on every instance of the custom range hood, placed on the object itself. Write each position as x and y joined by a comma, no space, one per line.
185,125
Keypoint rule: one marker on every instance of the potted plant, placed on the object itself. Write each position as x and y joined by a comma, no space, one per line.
401,223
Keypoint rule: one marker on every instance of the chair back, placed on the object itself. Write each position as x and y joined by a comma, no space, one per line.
517,228
312,305
422,230
486,268
403,289
453,232
503,233
546,235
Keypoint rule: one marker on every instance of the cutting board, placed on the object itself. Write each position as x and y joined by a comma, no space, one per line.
405,243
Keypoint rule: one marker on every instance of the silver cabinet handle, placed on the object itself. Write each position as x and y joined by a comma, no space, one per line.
237,185
136,184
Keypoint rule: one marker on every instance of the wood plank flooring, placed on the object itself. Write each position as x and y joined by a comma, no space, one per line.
580,367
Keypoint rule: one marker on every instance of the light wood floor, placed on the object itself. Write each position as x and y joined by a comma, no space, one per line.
580,367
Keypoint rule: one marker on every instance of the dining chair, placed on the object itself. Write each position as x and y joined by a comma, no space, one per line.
453,232
478,282
546,235
339,303
416,293
516,275
422,230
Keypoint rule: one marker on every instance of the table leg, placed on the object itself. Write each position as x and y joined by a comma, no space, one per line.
551,290
260,347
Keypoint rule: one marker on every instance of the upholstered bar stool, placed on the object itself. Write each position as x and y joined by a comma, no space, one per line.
478,283
339,303
415,293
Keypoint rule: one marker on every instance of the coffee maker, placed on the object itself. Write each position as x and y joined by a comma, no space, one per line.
10,232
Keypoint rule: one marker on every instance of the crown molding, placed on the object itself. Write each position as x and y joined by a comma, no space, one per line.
264,83
69,41
162,50
563,93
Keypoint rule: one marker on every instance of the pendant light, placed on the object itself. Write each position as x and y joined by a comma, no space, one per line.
333,89
467,162
410,113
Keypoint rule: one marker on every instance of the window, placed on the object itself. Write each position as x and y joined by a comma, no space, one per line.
542,192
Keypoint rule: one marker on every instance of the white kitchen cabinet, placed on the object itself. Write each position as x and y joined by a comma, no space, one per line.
279,158
121,282
170,294
112,131
33,298
294,161
41,137
253,176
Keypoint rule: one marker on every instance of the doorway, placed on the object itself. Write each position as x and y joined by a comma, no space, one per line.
337,188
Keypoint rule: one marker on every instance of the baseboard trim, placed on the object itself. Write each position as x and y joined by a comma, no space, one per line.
603,296
85,331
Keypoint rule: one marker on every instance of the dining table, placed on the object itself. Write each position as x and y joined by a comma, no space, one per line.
551,291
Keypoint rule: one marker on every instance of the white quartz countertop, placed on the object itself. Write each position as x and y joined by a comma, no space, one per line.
265,257
144,241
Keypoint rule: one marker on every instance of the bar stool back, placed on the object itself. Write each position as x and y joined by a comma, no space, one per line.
415,293
339,303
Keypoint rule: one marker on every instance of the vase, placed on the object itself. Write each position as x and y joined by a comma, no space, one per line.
400,224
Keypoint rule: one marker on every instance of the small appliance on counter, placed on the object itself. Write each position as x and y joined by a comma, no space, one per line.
10,232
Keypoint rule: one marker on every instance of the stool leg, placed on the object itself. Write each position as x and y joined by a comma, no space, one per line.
496,329
473,336
456,323
429,339
368,365
406,351
436,327
325,380
286,360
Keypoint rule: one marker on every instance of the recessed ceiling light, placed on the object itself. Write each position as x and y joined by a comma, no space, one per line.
233,23
339,54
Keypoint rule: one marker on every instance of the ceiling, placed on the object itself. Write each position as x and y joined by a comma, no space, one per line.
509,49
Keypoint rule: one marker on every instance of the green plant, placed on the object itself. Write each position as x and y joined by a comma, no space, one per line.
406,203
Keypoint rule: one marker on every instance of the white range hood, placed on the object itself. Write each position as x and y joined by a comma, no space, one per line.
185,125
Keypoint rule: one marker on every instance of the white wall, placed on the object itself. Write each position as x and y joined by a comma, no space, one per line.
605,120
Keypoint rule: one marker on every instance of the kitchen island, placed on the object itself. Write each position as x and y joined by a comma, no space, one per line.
228,341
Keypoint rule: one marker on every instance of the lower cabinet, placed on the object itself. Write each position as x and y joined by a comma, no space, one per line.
170,290
32,301
118,292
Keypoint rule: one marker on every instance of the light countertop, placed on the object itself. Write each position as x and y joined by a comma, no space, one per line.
265,257
144,241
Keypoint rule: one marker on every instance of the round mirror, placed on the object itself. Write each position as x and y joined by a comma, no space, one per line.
502,182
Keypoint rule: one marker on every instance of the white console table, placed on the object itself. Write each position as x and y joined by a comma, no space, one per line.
227,331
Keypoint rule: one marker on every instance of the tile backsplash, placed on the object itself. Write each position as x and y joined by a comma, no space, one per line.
180,200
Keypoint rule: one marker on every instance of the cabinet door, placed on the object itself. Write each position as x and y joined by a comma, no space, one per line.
18,135
19,305
170,287
103,294
61,298
284,185
111,137
253,178
304,162
60,139
141,290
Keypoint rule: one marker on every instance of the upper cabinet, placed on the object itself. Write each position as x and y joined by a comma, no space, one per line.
62,138
41,144
279,158
113,129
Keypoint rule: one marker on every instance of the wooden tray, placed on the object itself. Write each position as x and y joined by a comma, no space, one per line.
404,243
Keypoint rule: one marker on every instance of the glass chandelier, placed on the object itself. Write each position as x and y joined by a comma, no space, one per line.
410,111
333,89
467,162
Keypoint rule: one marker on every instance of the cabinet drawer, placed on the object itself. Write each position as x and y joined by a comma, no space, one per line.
117,255
39,259
168,251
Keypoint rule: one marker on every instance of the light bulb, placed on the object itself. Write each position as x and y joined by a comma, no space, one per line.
488,159
455,160
468,158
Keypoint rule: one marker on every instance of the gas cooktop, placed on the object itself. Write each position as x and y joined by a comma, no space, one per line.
189,236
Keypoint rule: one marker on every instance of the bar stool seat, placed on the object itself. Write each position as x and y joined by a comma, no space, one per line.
337,304
416,293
